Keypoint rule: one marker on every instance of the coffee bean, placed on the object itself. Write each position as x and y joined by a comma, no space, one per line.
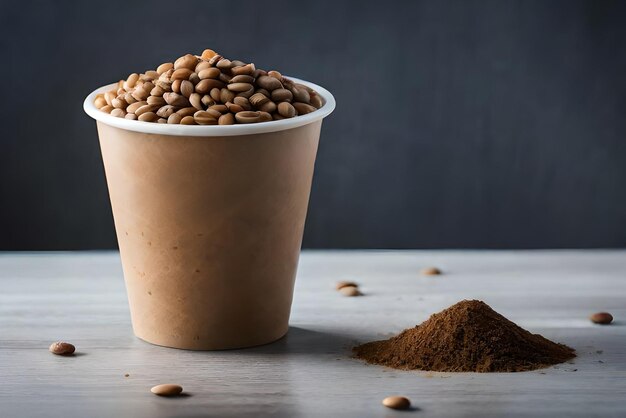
131,81
176,99
431,271
100,101
316,101
106,109
207,54
247,69
243,102
248,116
219,108
118,113
397,402
205,86
602,318
286,110
167,389
275,74
166,111
303,108
187,111
188,120
196,100
210,72
150,75
207,100
164,67
350,291
174,119
224,64
187,61
133,107
148,117
242,79
239,87
234,108
203,65
227,119
225,78
186,88
282,95
165,85
181,74
343,284
247,94
226,96
156,100
258,99
176,86
62,348
215,59
300,94
205,118
145,109
268,83
269,107
129,99
264,117
119,103
109,96
157,91
130,116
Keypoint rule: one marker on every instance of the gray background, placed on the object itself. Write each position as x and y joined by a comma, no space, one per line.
459,124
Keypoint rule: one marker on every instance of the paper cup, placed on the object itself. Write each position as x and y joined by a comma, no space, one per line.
209,221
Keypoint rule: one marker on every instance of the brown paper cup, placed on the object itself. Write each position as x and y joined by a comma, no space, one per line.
209,221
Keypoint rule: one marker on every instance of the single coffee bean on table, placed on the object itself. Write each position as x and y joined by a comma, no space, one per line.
350,291
397,402
431,271
344,283
602,318
62,348
167,389
247,94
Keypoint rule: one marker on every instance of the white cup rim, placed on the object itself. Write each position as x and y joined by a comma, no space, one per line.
211,130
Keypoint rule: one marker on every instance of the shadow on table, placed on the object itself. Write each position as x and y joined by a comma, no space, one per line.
304,341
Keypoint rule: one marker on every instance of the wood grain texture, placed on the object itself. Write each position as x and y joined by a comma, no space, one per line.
80,297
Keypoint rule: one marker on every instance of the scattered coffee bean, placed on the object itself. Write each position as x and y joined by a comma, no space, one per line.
602,318
431,271
343,284
62,348
167,389
397,402
350,291
126,375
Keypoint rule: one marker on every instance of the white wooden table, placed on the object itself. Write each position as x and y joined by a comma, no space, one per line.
79,297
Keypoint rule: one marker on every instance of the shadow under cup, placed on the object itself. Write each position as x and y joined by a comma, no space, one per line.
209,221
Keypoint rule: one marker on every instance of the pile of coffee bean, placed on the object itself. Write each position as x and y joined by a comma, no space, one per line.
208,90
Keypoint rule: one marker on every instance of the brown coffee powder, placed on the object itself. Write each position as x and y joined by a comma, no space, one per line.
467,337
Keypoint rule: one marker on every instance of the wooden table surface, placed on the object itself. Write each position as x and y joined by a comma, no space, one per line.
80,297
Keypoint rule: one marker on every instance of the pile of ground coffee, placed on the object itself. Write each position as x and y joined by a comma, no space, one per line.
467,337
